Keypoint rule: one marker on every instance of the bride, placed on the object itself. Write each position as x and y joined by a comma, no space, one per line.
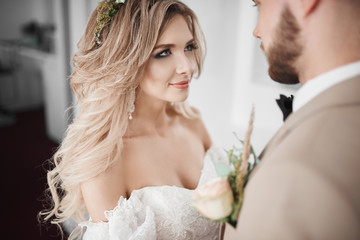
135,151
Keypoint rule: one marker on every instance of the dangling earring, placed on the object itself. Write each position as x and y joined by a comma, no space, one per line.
132,104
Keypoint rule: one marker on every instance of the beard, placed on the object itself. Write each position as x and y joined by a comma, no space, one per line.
285,50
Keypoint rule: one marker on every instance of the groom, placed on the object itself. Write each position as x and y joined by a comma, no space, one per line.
308,183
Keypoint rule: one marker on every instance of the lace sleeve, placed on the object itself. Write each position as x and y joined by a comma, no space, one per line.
213,156
217,155
130,219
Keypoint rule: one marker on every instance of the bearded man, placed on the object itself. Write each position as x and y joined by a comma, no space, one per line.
307,185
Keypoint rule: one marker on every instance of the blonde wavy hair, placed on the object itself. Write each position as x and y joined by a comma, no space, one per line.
104,77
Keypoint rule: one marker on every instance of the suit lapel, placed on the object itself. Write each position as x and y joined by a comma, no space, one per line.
341,94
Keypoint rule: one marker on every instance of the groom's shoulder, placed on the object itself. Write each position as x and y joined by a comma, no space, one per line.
321,139
326,144
321,135
315,168
329,124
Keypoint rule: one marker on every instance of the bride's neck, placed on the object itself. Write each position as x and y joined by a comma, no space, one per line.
150,114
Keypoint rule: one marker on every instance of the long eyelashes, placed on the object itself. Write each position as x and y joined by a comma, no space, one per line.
191,47
163,54
167,52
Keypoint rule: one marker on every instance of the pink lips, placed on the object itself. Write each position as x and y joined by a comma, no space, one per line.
180,85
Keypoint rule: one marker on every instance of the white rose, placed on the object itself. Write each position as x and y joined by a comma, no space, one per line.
214,199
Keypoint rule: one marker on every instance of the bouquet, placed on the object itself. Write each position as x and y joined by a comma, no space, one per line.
221,199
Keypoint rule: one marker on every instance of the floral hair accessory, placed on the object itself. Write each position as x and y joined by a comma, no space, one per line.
105,12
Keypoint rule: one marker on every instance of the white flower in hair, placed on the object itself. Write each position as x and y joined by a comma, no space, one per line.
121,1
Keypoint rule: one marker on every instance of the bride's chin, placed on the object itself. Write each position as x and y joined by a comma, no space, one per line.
179,100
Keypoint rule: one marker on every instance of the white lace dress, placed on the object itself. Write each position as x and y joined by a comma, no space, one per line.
159,212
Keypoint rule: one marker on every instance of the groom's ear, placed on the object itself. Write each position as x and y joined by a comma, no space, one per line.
309,6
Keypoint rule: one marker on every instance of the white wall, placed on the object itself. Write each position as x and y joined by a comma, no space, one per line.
79,13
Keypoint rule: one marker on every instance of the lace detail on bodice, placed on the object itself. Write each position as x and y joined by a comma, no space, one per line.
159,212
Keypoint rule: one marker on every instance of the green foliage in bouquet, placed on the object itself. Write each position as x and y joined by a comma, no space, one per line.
238,171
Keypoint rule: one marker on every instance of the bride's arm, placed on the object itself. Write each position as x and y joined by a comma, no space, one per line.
103,192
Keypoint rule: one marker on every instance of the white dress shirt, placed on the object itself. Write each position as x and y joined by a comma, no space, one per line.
317,85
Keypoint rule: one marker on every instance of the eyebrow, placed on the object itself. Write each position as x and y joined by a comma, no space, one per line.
171,45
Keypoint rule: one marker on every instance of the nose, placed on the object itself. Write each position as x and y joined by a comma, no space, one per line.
185,64
256,32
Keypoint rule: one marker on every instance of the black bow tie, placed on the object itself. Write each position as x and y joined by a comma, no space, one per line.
285,105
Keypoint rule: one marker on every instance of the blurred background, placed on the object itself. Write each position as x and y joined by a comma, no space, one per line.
37,38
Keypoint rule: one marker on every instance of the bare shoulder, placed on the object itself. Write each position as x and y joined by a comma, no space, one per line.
197,126
103,192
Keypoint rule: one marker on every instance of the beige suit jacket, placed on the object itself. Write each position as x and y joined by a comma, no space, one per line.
308,183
